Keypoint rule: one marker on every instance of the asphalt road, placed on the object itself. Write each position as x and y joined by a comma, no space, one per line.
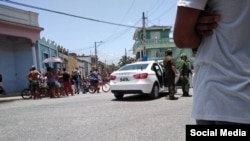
96,117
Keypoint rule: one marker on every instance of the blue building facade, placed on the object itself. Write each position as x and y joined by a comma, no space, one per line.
46,49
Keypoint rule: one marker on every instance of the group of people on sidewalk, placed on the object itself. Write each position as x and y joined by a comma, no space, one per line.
60,83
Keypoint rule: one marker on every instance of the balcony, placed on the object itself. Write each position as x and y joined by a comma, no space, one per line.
154,43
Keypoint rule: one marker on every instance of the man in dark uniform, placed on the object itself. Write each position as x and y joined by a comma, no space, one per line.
170,73
185,70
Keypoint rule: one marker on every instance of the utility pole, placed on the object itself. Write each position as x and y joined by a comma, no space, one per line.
144,34
95,56
125,56
96,59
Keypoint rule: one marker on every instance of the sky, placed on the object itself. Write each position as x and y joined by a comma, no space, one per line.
108,23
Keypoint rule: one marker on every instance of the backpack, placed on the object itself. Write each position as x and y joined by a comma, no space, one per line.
75,75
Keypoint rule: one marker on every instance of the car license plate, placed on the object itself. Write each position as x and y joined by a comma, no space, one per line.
124,79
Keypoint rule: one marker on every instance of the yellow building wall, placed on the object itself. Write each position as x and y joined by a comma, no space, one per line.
72,63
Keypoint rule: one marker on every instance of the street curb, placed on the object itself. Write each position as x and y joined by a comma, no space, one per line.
9,98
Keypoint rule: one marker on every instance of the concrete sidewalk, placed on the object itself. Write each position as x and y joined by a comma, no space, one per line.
10,97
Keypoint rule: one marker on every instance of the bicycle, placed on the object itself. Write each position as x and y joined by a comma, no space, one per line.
26,93
91,87
104,84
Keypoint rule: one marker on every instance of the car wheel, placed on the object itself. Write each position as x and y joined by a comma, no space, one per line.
118,95
155,92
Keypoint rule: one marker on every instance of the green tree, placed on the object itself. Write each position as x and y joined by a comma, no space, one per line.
111,67
125,60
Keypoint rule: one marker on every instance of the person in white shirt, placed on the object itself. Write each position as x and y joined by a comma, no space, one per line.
221,81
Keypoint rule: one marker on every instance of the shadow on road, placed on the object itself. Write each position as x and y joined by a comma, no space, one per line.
138,97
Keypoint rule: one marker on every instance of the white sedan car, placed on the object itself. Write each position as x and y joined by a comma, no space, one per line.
145,77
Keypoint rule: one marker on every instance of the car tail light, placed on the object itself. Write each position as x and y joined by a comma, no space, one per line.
112,77
141,76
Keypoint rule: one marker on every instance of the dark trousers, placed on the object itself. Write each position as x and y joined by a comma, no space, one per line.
170,82
185,85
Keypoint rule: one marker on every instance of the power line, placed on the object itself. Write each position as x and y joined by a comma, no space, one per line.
166,11
122,20
156,7
118,35
67,14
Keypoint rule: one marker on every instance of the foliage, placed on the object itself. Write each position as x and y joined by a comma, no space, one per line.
125,60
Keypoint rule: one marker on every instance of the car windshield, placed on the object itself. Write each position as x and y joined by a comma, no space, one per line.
134,67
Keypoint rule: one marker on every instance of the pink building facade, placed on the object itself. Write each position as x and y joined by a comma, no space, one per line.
19,34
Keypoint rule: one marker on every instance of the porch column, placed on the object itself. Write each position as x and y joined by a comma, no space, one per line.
34,55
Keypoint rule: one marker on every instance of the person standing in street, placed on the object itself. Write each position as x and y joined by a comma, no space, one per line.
33,77
66,82
221,80
78,81
170,73
51,81
184,68
96,77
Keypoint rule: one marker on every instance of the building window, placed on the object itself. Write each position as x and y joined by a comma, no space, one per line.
155,35
157,54
45,55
